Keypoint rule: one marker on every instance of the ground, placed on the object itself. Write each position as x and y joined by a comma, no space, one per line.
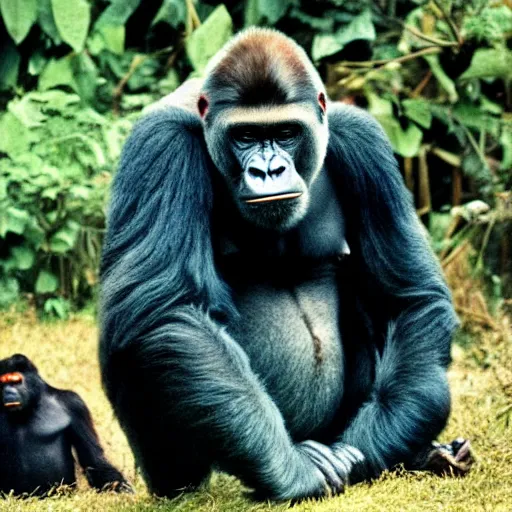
66,354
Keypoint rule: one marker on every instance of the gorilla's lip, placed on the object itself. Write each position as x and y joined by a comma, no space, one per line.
276,197
12,404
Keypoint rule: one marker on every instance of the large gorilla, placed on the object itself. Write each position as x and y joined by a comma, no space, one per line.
270,305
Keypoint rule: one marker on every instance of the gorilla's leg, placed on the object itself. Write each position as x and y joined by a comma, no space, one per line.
187,397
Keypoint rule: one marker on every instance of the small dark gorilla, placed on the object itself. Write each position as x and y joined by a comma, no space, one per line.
39,426
270,303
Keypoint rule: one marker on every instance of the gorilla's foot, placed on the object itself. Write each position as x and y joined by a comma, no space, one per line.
453,459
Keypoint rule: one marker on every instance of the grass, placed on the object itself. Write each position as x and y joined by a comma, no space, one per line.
66,354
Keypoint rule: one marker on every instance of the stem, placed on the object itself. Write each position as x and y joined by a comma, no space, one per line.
430,50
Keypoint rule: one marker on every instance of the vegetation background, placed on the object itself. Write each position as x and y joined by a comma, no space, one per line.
437,74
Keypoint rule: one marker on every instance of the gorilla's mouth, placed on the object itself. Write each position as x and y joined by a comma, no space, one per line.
12,404
277,197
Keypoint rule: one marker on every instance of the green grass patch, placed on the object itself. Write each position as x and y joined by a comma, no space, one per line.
66,355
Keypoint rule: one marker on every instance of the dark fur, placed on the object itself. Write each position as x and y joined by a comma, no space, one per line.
36,441
224,344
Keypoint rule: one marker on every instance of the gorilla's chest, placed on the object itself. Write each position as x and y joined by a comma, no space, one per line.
292,338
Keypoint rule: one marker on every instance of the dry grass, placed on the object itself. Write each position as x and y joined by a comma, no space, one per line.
66,354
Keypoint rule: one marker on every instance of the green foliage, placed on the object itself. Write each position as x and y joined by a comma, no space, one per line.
73,71
53,195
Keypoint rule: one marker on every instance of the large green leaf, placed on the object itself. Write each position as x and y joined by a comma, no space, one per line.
47,22
72,18
22,257
58,72
405,142
46,282
419,111
64,240
490,63
15,138
18,16
361,27
13,220
209,38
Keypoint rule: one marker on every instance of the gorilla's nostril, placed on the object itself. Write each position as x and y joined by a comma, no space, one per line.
254,172
277,172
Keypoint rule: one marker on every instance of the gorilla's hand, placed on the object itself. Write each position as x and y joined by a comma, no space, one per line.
335,464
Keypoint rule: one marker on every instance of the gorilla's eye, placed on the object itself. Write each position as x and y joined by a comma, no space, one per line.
11,378
245,135
287,133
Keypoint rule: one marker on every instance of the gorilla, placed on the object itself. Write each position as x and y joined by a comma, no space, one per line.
270,304
39,427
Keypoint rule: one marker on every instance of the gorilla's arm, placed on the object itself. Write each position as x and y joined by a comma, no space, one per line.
82,435
181,386
402,285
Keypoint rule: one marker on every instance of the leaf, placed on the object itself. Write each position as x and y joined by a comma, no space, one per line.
506,142
15,138
65,239
490,63
360,28
444,80
23,257
475,117
55,99
9,66
18,16
72,18
37,62
34,234
209,38
47,22
268,11
27,112
119,11
113,37
324,45
58,72
46,282
13,220
172,12
9,291
85,76
57,306
405,142
419,111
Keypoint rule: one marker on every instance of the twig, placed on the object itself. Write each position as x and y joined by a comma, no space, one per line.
485,241
136,62
371,63
424,82
430,39
453,255
450,22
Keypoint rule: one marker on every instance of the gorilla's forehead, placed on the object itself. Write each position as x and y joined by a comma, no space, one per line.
271,114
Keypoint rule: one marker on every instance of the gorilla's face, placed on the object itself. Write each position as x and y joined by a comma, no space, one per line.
269,157
15,395
20,384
